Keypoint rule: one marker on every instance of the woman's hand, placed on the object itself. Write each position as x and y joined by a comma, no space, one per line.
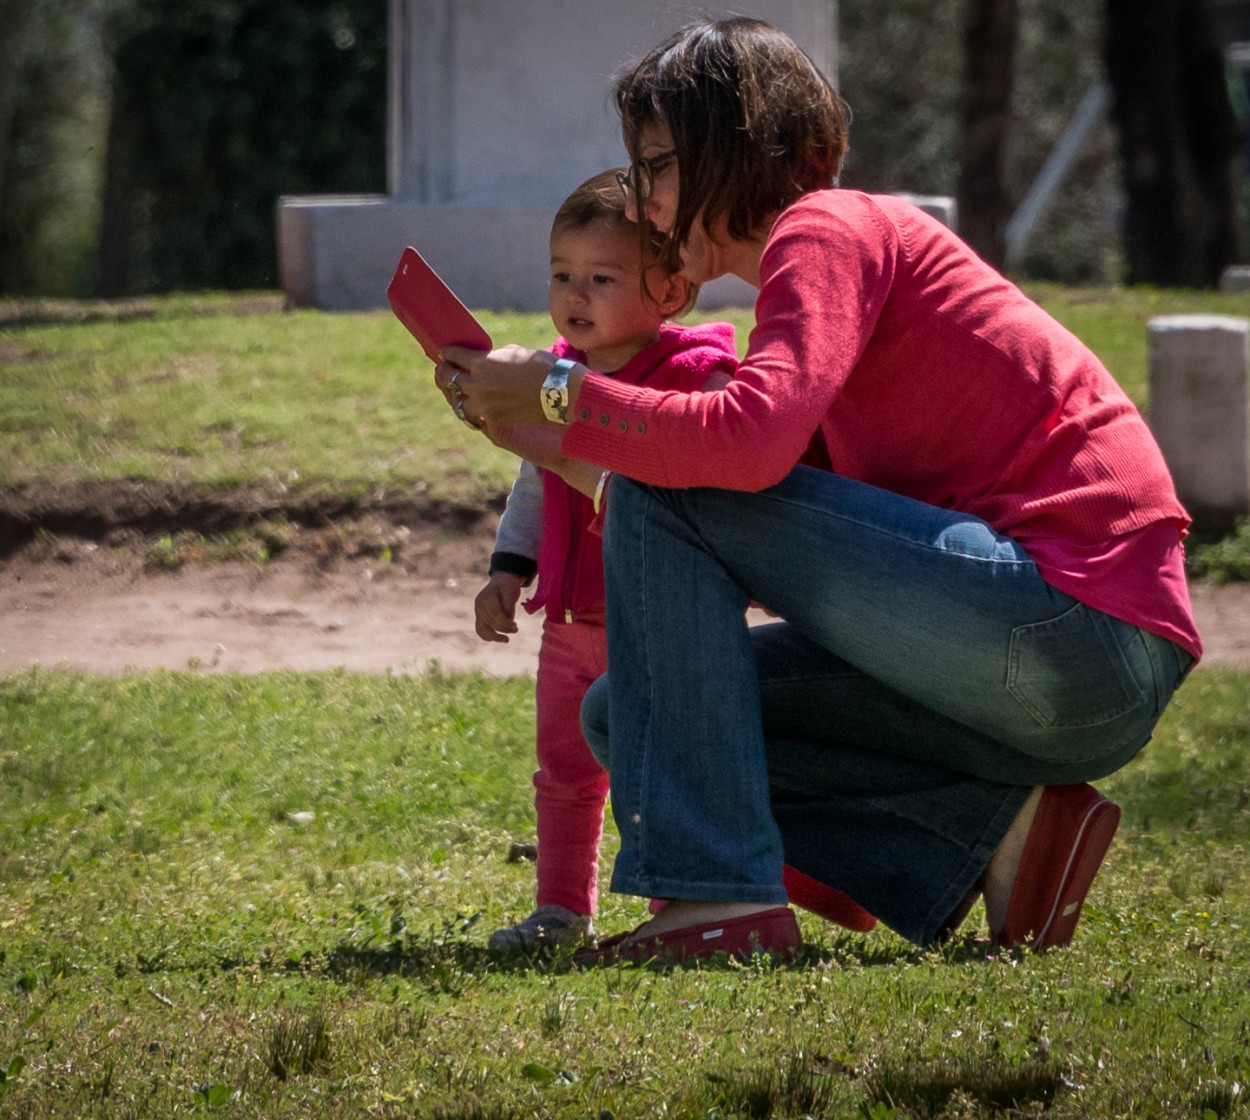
539,443
500,388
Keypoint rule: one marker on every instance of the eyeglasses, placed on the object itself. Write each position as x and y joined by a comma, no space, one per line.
640,178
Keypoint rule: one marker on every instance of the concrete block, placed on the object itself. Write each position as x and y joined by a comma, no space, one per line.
1235,278
940,206
496,111
1200,410
338,252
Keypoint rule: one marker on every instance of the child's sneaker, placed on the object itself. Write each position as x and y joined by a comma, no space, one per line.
546,926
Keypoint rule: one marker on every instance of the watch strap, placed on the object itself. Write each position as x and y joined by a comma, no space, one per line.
554,394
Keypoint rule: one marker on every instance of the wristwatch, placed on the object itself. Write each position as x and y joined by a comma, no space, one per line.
555,392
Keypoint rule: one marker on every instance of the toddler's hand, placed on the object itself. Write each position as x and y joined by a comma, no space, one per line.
494,609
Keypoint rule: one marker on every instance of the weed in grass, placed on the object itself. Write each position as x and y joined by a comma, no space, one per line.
8,1073
212,1096
556,1013
473,1109
297,1043
1218,1100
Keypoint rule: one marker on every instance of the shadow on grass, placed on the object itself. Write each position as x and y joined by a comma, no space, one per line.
943,1088
445,959
33,312
878,950
441,958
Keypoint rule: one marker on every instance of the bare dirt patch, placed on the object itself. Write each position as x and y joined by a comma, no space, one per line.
368,584
102,611
89,579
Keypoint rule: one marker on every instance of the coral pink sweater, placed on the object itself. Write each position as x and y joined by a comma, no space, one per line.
570,558
923,371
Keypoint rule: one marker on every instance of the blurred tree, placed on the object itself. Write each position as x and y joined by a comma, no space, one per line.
223,105
1077,239
14,16
989,41
1179,141
902,73
898,69
53,101
220,107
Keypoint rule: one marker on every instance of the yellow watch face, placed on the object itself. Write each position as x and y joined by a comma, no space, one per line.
555,394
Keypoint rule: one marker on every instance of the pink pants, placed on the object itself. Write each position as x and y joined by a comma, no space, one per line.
570,787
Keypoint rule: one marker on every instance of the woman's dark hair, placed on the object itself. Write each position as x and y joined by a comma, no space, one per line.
600,199
754,122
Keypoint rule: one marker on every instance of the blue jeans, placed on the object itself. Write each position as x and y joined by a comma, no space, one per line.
884,736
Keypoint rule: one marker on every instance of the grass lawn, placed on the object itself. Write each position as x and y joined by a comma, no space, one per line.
269,896
191,395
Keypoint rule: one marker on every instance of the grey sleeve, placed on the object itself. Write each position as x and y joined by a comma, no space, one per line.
521,526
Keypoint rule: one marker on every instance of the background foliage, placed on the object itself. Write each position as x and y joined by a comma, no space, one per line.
221,106
217,107
900,68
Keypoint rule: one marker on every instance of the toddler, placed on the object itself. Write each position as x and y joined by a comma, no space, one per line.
611,304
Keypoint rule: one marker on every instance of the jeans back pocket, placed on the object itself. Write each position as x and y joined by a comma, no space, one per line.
1071,671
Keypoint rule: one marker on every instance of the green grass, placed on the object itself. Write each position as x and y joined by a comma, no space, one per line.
269,897
302,400
189,394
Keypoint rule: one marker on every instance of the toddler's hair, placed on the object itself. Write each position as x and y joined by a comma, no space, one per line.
600,199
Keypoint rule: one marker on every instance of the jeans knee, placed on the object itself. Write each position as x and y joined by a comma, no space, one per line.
594,719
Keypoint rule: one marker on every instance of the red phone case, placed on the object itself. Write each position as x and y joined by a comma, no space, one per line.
430,309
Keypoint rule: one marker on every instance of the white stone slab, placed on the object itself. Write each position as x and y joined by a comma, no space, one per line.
1200,409
497,109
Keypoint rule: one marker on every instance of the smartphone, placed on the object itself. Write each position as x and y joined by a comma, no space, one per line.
430,309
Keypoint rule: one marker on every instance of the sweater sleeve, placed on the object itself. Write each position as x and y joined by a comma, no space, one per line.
825,275
519,534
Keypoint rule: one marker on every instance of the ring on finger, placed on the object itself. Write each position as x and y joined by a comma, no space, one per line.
463,416
454,387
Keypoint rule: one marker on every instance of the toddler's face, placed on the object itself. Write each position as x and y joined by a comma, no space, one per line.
595,297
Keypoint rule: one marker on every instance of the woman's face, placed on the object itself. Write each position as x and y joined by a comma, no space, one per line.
703,257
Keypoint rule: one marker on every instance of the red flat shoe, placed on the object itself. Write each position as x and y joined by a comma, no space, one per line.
1067,841
816,898
825,902
766,931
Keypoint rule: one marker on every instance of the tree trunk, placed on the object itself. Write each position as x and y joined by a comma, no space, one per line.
1179,141
14,15
115,268
985,123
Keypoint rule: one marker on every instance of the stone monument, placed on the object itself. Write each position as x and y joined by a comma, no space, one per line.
496,110
1200,410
